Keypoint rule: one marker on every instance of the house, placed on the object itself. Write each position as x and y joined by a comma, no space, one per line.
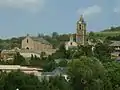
59,71
116,46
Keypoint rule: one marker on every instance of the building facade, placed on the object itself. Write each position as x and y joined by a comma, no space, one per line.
35,44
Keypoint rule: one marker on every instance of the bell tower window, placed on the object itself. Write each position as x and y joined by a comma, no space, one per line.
80,27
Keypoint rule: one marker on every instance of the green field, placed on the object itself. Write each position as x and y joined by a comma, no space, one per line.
108,33
103,35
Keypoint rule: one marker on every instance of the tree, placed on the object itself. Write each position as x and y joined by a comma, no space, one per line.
61,53
56,83
40,35
49,66
91,35
63,63
86,50
22,81
3,75
80,51
19,59
32,57
87,74
36,61
103,52
42,55
113,72
18,79
54,35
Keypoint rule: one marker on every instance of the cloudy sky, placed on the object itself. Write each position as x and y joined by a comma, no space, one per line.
19,17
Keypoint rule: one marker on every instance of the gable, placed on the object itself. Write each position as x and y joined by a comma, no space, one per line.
27,39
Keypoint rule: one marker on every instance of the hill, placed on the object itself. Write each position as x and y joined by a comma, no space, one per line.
112,32
112,29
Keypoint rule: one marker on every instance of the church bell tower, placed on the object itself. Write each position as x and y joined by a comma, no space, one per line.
81,32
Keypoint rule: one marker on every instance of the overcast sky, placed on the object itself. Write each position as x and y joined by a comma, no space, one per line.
19,17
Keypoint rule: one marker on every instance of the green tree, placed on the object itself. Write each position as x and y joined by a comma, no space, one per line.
56,83
103,52
86,50
88,74
36,61
54,35
61,53
22,81
3,75
19,59
91,35
42,55
80,51
63,63
113,72
50,66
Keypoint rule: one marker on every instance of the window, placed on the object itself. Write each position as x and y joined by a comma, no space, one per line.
27,40
119,55
80,26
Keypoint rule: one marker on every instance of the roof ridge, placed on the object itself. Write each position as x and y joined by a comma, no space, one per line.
40,39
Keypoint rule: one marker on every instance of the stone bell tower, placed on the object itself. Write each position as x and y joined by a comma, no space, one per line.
81,32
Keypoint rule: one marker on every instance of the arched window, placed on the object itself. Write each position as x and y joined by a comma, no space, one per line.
27,40
80,26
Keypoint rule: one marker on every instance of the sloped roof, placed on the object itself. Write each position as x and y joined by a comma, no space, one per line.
40,40
57,71
115,43
61,70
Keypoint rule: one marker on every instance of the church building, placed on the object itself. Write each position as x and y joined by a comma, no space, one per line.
35,44
81,37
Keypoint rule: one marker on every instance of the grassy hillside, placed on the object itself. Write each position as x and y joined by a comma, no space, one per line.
113,31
